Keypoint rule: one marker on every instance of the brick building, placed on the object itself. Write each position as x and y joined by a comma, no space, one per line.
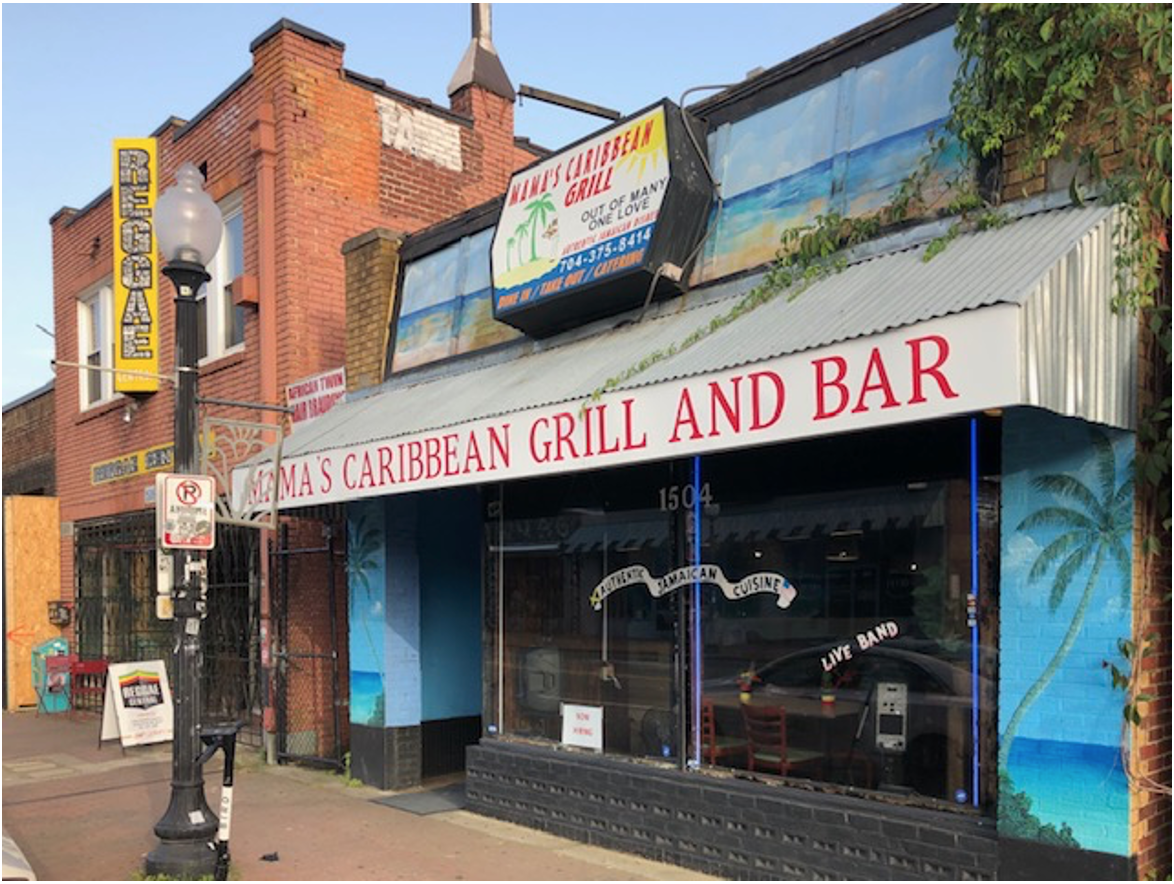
301,154
740,581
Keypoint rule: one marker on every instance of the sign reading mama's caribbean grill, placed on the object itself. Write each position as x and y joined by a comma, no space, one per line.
582,234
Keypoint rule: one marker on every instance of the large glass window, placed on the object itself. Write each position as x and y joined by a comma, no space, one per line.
556,542
801,610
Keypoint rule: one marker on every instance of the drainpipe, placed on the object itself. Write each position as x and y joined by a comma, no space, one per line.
263,141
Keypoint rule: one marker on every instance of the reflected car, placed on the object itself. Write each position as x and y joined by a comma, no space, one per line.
836,714
16,867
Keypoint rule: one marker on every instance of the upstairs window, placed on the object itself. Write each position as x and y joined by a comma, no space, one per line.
446,305
95,337
221,327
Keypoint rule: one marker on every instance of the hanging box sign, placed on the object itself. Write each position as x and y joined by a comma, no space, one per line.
582,233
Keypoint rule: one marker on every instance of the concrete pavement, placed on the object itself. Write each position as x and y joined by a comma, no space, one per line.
80,813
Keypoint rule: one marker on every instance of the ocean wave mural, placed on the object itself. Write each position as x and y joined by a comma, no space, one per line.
844,146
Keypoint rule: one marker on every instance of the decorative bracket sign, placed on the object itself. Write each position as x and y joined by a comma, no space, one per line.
763,581
254,448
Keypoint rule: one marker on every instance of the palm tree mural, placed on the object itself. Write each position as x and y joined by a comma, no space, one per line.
509,254
364,544
538,210
1094,526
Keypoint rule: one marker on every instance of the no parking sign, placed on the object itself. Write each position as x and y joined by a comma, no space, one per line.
187,511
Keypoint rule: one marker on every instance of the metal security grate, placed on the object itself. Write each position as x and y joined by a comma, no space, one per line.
115,610
115,597
310,597
232,649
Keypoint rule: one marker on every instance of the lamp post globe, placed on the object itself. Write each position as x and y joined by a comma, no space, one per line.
188,226
187,221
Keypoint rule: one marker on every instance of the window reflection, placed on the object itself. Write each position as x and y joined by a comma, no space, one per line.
556,647
833,643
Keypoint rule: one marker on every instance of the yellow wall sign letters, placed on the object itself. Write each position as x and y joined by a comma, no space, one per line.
136,296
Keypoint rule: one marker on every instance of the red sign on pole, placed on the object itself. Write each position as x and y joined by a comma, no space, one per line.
187,511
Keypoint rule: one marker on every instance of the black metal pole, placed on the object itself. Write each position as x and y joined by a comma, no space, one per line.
187,829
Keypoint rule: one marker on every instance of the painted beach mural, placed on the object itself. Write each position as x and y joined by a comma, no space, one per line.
1066,552
447,307
843,146
366,592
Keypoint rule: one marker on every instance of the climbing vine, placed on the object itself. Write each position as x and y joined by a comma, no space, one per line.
1089,85
1085,88
1085,84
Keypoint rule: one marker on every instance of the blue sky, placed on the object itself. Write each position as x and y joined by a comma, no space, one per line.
66,95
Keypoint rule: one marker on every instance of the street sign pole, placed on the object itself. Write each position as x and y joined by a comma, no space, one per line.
187,829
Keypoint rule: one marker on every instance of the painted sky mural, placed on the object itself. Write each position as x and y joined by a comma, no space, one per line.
842,146
366,592
1065,600
447,306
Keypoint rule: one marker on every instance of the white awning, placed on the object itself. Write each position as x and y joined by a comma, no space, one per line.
1020,315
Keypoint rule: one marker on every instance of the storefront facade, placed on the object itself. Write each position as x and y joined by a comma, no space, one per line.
820,589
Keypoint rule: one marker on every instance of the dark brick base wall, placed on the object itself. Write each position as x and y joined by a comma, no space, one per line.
386,758
726,827
1033,861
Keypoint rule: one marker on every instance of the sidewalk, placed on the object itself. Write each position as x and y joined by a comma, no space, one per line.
82,813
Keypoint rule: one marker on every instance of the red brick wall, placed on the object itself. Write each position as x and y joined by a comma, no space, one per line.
334,179
1151,758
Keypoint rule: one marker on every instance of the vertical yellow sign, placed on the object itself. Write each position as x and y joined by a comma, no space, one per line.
136,278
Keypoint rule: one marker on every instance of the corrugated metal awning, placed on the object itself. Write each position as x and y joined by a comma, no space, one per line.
1077,357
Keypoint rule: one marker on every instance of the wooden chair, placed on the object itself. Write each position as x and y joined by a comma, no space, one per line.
714,745
766,735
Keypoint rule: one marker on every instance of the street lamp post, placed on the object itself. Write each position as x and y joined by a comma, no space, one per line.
188,223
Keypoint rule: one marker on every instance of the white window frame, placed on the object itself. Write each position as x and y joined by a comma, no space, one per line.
215,297
103,295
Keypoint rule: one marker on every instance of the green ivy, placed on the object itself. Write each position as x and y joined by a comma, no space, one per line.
1081,82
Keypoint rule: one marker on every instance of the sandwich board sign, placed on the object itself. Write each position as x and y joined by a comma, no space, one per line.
186,511
138,706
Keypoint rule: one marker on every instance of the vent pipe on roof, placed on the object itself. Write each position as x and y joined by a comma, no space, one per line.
480,65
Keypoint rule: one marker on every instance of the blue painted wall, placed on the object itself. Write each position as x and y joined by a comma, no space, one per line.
367,601
450,617
403,611
1060,753
383,584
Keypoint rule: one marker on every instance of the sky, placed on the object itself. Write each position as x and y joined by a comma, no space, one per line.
66,94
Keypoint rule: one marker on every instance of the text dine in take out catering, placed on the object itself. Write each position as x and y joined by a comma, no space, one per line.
946,366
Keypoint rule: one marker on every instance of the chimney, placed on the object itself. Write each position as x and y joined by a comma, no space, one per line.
480,90
480,65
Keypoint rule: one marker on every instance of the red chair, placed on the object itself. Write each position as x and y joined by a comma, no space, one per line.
766,734
713,744
87,685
